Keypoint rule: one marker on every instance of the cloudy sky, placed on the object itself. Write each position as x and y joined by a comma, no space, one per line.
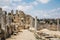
39,8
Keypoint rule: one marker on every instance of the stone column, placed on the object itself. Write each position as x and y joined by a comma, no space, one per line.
36,23
31,22
16,11
57,24
2,20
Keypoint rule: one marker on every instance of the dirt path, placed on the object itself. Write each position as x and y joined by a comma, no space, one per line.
25,35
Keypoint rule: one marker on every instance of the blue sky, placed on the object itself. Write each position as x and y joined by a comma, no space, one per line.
39,8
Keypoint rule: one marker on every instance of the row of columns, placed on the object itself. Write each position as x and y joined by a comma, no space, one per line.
58,25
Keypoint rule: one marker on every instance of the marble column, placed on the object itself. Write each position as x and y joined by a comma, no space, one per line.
36,23
57,24
31,24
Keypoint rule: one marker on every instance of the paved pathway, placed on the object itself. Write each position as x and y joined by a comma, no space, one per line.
25,35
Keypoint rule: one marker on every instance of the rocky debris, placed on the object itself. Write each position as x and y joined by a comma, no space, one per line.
54,39
46,34
50,33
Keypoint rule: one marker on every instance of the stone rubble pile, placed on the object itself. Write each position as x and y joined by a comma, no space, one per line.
46,34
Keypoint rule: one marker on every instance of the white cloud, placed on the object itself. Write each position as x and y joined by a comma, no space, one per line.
43,1
54,13
17,0
34,3
6,0
40,14
6,8
54,10
9,0
24,7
